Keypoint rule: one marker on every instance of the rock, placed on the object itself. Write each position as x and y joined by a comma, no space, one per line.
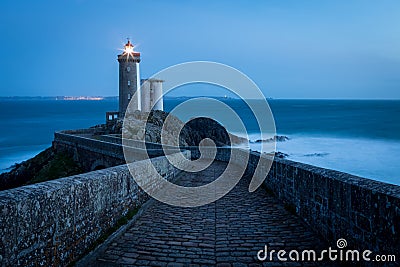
237,140
200,128
281,138
136,128
281,155
189,134
316,155
276,138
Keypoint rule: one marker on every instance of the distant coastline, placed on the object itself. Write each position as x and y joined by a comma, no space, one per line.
97,98
67,98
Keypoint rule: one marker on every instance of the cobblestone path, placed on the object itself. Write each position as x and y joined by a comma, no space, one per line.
228,232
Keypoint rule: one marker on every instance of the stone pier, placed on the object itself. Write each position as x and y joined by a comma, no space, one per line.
228,232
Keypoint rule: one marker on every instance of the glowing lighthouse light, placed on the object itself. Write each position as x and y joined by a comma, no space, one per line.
128,49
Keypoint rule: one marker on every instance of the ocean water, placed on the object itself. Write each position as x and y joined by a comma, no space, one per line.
355,136
361,137
27,126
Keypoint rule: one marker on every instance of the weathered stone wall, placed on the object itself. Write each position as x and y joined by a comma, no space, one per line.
113,138
335,204
92,153
54,222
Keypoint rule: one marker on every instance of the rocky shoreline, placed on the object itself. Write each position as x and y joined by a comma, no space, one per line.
47,165
276,138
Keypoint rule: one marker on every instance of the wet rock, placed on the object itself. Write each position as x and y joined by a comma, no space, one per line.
281,155
276,138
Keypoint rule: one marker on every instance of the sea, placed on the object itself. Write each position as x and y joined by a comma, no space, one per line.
360,137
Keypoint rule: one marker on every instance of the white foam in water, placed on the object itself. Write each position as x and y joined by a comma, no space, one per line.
369,158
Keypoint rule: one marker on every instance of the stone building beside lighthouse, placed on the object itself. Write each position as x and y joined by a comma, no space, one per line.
151,90
142,92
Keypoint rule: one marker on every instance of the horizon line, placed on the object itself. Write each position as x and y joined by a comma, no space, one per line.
229,97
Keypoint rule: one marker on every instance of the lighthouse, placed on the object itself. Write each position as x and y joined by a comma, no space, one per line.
129,79
145,94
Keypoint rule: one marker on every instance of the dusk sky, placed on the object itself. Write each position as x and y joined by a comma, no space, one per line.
290,49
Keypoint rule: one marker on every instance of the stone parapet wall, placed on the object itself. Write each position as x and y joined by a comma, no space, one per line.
90,153
117,139
105,148
79,131
337,205
55,222
105,151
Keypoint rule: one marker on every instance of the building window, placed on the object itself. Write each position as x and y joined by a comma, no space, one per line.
129,96
129,83
128,69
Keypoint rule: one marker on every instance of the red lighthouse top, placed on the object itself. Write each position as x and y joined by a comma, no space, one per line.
128,44
128,50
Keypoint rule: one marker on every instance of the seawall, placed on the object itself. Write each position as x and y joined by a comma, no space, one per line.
53,223
56,221
101,152
335,204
